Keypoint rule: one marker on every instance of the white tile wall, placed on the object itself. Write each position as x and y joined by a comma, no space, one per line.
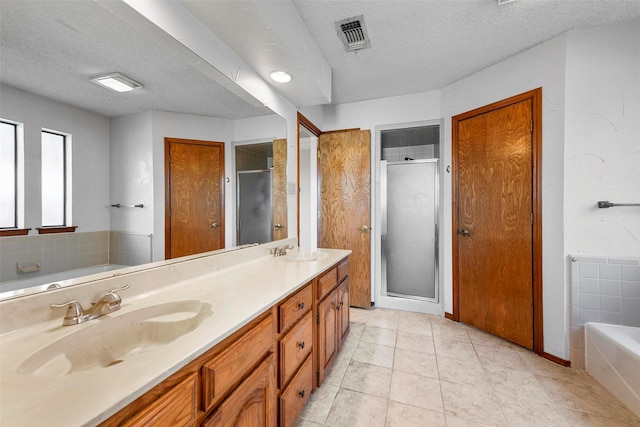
605,290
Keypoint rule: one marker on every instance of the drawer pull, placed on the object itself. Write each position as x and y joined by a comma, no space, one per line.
301,306
301,345
301,394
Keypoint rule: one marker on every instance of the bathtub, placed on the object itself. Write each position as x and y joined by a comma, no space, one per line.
41,282
613,358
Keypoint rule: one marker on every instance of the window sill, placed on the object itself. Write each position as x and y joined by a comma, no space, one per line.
14,232
52,230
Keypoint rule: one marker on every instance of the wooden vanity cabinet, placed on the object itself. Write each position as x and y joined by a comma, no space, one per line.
262,375
295,347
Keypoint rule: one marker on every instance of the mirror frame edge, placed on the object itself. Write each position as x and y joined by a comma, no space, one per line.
302,121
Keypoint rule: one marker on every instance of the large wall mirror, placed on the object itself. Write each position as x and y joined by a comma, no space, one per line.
49,50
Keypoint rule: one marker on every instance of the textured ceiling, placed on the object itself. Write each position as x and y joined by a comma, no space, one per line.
52,47
425,45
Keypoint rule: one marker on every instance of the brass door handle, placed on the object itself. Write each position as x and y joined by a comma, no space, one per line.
215,225
364,228
278,226
464,232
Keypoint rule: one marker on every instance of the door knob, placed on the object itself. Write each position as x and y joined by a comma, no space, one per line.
464,232
278,226
364,228
215,225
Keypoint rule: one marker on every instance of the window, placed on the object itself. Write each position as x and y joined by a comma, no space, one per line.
56,174
8,175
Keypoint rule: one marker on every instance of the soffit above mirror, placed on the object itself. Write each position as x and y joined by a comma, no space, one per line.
52,48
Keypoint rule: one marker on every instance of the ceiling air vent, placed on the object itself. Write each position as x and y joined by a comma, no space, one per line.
353,33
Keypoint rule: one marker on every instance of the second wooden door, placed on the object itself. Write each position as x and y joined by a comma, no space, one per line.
493,244
344,191
194,197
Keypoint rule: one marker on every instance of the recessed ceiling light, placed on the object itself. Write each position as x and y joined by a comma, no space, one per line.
280,77
116,81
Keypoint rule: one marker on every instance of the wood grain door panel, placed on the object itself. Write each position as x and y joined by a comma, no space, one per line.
195,197
345,188
494,222
280,189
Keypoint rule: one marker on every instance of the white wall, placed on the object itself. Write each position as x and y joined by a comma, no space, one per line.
132,173
90,155
602,140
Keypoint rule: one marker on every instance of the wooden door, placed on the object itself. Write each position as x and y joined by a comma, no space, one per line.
194,205
493,220
327,334
344,189
252,403
280,189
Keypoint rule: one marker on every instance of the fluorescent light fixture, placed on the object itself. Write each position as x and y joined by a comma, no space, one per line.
280,77
116,82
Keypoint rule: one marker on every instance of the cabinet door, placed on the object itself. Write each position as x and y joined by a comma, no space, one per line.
327,333
343,311
252,403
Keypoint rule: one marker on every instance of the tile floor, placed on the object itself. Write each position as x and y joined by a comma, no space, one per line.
409,369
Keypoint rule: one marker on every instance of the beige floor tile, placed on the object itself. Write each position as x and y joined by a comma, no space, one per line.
461,371
359,315
584,396
454,421
305,423
472,402
354,409
517,384
586,419
319,404
455,349
451,331
336,372
383,322
541,366
504,357
414,342
381,336
416,390
413,315
374,354
524,412
415,326
401,415
355,329
484,338
414,362
369,379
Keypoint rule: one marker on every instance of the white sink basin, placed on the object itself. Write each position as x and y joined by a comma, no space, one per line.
112,339
305,256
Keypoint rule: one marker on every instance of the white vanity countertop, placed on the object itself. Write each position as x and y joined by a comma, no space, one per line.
236,294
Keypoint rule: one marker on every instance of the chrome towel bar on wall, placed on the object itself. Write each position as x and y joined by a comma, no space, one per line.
118,205
607,204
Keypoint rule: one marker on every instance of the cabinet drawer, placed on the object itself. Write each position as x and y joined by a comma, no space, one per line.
294,308
296,395
294,348
225,370
343,269
327,282
178,407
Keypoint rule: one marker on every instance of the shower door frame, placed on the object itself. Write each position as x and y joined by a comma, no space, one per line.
383,230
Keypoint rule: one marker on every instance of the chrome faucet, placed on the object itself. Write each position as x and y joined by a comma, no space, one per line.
109,303
281,250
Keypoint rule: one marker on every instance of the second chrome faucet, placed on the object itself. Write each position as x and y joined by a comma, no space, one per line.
109,303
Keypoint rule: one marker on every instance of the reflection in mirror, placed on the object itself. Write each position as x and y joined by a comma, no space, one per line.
117,139
261,201
308,179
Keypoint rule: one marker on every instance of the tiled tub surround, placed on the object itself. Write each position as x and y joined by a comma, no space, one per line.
239,285
604,290
70,251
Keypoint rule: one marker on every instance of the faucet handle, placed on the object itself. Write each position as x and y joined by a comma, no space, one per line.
75,309
119,289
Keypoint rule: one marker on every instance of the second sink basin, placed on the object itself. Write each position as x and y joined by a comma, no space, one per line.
304,256
113,339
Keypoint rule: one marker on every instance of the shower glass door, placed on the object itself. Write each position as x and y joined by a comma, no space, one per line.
255,207
410,229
